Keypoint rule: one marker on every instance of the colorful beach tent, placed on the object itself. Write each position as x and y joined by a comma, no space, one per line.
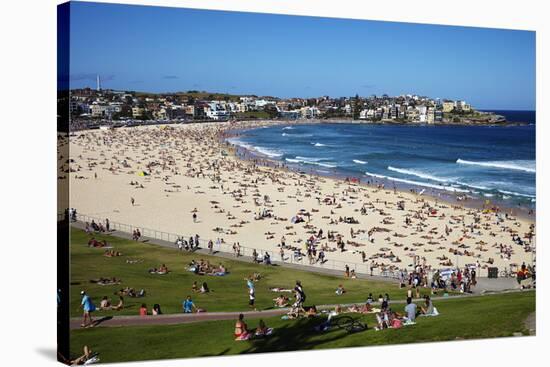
143,173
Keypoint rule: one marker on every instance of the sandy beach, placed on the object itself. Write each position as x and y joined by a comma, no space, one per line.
189,168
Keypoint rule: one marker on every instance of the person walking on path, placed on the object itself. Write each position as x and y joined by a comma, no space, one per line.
88,306
132,201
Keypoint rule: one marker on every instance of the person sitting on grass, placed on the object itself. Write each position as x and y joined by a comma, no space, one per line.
195,287
105,281
188,305
112,253
366,308
310,311
130,292
204,288
340,290
281,301
105,303
263,330
241,329
383,319
410,310
156,309
428,309
162,270
143,310
120,304
219,271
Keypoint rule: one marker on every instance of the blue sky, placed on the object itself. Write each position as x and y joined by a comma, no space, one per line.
160,49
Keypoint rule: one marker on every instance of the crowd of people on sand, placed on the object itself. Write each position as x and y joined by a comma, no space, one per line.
240,182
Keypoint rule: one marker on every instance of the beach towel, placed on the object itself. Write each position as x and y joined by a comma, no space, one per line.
434,313
218,274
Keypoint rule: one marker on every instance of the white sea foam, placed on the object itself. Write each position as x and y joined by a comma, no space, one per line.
269,152
416,183
240,143
416,173
505,192
359,161
309,161
517,165
288,128
479,187
296,135
262,150
318,144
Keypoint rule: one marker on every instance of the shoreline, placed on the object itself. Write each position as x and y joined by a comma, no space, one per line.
471,202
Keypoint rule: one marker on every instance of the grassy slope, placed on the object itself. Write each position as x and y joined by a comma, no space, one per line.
466,318
229,293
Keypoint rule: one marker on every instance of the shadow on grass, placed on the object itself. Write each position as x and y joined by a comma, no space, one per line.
101,320
297,335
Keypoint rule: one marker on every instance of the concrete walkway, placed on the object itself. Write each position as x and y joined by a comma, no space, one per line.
181,318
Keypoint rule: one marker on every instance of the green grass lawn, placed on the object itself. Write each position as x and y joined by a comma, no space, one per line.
460,318
228,293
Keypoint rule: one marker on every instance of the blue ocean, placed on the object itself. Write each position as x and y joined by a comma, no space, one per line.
494,163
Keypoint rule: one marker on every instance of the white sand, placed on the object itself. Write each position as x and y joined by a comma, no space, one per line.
187,163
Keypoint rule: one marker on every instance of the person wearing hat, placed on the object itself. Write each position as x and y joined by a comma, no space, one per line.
88,306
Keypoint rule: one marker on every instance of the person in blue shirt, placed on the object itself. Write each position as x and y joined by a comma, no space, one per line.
188,305
250,283
88,306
